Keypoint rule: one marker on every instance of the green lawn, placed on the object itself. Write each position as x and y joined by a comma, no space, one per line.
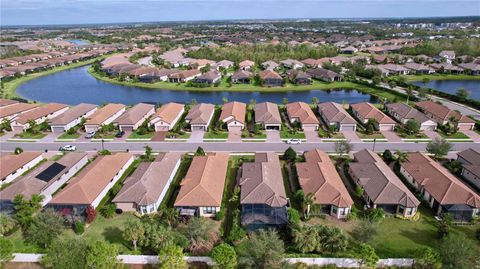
104,136
441,77
135,135
364,135
285,134
262,135
69,136
324,134
457,135
403,134
25,135
218,135
185,135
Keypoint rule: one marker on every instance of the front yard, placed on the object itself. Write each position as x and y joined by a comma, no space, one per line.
216,134
28,135
325,134
364,135
289,134
136,135
457,135
69,136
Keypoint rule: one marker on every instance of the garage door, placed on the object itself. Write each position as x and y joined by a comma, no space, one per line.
126,128
161,128
347,128
235,129
198,128
428,128
309,128
57,130
272,127
384,127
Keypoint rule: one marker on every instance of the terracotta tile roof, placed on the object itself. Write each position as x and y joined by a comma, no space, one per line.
334,112
84,188
200,114
368,111
169,112
39,112
407,112
318,175
72,114
11,110
472,156
444,187
242,74
135,114
267,113
185,74
236,110
9,163
7,102
379,181
442,112
205,180
269,74
415,66
103,113
302,111
31,184
149,180
246,63
262,181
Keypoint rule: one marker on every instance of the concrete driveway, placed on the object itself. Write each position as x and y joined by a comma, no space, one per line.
391,136
312,136
273,136
352,136
159,136
472,134
432,134
196,136
235,135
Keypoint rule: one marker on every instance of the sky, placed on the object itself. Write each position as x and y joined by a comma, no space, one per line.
43,12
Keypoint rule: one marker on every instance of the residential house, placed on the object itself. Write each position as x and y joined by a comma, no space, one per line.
225,64
201,191
349,50
71,117
270,78
366,111
270,65
381,186
333,114
89,187
233,115
299,77
419,69
246,65
268,115
167,116
44,180
395,69
447,55
242,77
211,77
447,68
13,165
292,64
7,102
403,113
199,116
444,192
302,113
135,117
38,115
184,76
318,176
443,115
104,116
470,68
12,111
262,193
470,160
145,189
324,74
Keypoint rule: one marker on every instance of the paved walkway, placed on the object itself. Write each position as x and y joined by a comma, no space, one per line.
473,135
391,136
352,136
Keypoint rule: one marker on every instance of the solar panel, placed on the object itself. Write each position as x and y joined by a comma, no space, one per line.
49,173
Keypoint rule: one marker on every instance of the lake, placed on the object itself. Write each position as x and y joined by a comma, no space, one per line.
451,86
76,86
79,41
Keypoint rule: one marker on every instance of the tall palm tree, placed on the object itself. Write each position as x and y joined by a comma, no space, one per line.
334,240
305,238
454,121
401,156
308,202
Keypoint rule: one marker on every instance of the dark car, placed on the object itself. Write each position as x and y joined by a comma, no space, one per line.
119,134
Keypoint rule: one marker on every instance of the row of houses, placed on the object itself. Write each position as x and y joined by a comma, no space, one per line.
420,69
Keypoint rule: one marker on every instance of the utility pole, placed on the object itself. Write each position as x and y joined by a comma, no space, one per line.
374,141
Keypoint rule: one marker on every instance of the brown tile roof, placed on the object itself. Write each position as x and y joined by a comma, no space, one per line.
169,112
269,74
242,74
262,181
7,102
84,188
205,180
134,114
246,63
30,184
334,112
407,112
470,155
72,114
16,108
318,175
185,74
149,180
200,114
442,112
39,112
302,111
444,187
267,113
9,163
368,111
379,181
236,110
103,113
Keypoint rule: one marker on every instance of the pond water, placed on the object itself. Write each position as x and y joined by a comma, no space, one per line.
451,86
79,41
76,86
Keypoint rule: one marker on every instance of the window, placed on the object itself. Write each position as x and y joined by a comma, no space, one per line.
209,210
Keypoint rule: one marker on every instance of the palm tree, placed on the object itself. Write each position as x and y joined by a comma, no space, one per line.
454,121
334,239
308,202
401,156
305,238
315,102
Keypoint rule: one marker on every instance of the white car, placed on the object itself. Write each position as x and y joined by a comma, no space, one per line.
294,141
68,148
90,134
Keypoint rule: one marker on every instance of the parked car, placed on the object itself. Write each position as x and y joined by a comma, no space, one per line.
294,141
68,148
90,134
119,134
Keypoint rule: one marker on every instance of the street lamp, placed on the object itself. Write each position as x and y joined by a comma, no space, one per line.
103,148
374,141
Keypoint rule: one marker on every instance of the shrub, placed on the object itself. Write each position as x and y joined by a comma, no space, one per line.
79,227
91,214
375,214
224,256
219,215
478,234
108,211
293,216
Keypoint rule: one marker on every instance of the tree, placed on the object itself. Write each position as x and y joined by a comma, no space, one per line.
387,156
412,127
334,239
200,152
133,232
343,147
401,156
364,231
17,151
285,100
307,204
6,250
24,209
425,80
66,253
7,224
155,236
171,257
462,93
148,153
101,254
459,252
224,256
367,256
315,101
32,127
46,227
201,234
305,238
427,258
439,147
290,154
375,214
108,211
371,126
224,100
91,214
264,249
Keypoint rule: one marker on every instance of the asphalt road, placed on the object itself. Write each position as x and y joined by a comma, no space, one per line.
224,146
